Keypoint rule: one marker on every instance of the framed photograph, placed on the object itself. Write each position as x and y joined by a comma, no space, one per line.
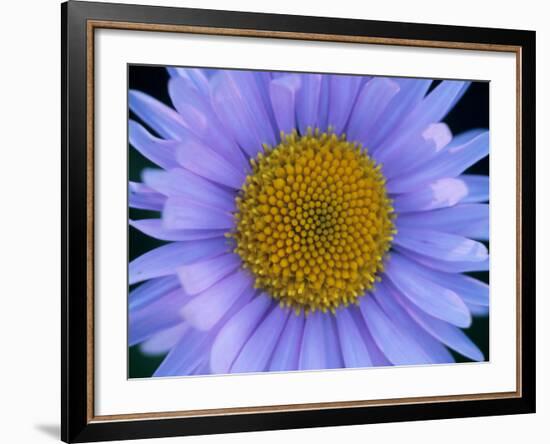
276,221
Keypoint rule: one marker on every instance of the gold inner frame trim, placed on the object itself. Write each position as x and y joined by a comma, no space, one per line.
92,25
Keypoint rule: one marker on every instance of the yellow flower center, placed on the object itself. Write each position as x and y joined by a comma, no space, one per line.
314,221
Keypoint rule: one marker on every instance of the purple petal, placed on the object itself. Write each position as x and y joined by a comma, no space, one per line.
472,291
188,354
437,104
144,198
150,291
430,110
320,348
194,156
236,332
377,357
333,352
194,76
354,348
164,120
439,245
165,260
159,151
469,289
203,369
256,353
450,335
343,92
420,149
164,340
199,276
183,183
191,355
411,92
156,316
307,103
263,80
386,298
434,299
470,220
239,104
207,308
283,97
438,194
439,134
287,351
478,310
197,113
182,213
452,161
466,137
447,266
313,351
371,103
478,188
155,228
324,103
399,347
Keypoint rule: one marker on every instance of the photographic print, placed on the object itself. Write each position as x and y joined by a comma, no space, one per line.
285,221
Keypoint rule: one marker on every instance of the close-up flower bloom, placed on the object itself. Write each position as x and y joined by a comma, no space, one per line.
310,221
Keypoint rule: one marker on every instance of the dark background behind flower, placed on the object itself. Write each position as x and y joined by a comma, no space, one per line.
472,111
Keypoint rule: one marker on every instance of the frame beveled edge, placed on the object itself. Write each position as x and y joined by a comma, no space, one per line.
79,19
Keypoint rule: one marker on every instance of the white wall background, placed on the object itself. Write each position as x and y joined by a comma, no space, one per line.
30,202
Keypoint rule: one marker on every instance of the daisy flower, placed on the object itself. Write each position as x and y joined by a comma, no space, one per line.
311,221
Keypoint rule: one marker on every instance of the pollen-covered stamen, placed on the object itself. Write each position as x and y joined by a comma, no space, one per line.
314,221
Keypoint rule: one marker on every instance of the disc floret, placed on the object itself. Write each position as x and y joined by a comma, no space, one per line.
314,221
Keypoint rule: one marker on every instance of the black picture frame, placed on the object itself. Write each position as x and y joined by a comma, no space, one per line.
78,423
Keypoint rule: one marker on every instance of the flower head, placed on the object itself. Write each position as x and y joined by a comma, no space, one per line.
311,221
